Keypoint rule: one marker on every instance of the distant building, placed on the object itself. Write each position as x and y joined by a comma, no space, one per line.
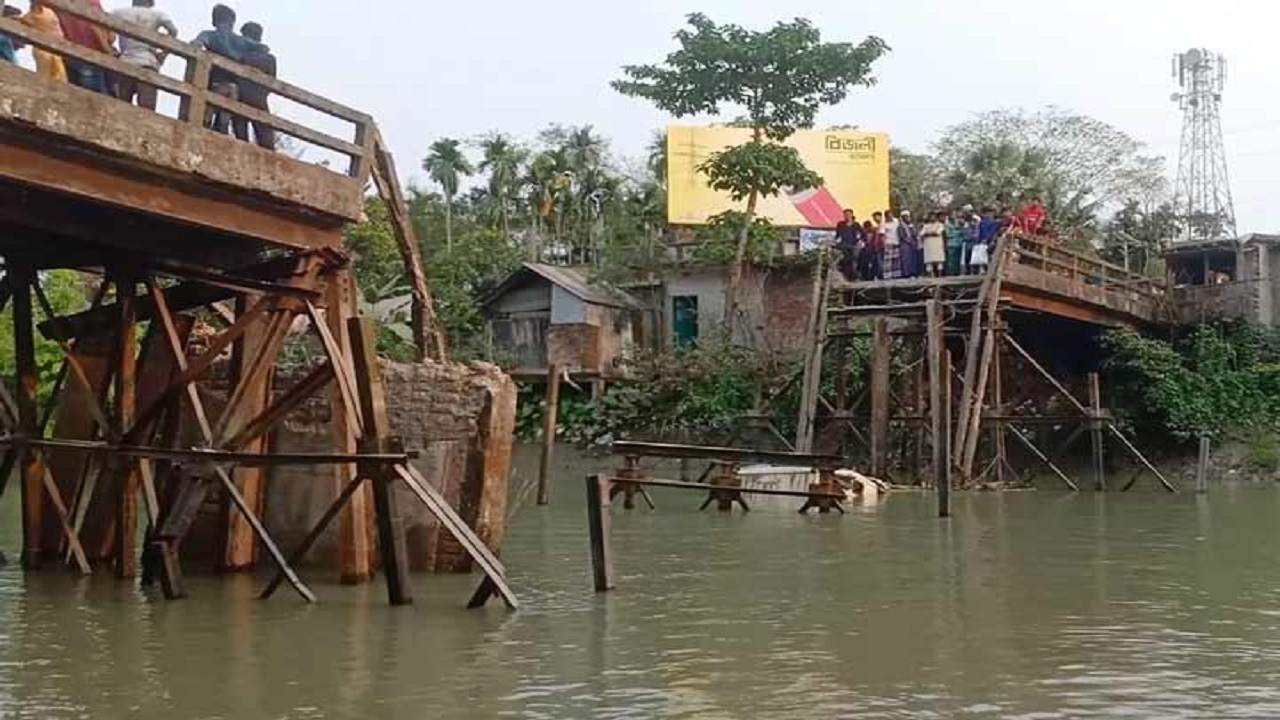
543,315
1225,280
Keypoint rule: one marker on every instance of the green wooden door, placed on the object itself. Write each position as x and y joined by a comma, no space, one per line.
684,313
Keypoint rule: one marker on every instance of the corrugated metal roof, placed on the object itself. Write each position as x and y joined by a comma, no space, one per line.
570,281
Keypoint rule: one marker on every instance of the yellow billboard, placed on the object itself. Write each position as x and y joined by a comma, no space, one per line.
854,164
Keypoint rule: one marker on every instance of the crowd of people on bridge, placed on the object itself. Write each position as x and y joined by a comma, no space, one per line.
894,245
245,47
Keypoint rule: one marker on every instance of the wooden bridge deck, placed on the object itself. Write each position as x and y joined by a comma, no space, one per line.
74,163
1041,278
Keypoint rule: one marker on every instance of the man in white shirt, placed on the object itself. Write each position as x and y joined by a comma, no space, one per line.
140,54
892,252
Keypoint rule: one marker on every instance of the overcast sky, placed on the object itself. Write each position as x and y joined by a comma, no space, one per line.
435,68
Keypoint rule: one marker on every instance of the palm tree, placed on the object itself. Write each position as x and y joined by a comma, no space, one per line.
656,162
447,165
502,160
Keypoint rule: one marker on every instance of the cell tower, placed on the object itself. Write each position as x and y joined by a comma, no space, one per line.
1204,192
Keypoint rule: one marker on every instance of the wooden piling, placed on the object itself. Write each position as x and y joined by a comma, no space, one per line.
126,394
881,377
1096,431
599,523
939,404
377,439
1202,467
549,422
21,278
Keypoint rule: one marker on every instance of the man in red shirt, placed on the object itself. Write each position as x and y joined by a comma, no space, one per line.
86,34
1033,216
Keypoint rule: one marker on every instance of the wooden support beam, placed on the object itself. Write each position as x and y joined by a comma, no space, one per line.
1026,441
1095,432
881,387
449,518
305,546
550,414
377,437
977,363
815,345
599,523
939,402
428,335
272,416
357,555
22,277
1202,466
124,407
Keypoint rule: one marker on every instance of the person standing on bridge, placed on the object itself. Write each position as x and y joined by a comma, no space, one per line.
42,19
223,40
935,255
135,52
911,261
89,35
9,48
253,94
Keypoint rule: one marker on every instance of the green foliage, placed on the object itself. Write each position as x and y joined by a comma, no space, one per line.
701,391
718,241
1220,380
447,165
780,77
914,183
1136,237
1080,167
1264,451
68,293
764,169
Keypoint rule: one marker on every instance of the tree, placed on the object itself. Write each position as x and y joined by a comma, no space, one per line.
1135,237
915,183
1072,160
780,78
447,164
503,160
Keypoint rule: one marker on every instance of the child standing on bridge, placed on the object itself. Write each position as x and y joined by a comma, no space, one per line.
44,20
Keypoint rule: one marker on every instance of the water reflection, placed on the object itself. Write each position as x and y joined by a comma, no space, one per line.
1024,605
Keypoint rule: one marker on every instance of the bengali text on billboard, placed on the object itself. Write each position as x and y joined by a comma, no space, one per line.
853,164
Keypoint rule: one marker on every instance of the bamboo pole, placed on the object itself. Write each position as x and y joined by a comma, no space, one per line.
549,422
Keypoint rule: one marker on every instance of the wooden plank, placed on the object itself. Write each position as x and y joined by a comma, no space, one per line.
64,518
881,393
551,410
363,333
599,521
1045,373
1164,482
699,452
203,455
444,512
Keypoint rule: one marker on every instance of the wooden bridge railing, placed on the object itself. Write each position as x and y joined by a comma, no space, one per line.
1082,269
196,100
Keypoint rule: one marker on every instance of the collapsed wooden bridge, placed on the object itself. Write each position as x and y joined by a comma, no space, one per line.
949,408
181,226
